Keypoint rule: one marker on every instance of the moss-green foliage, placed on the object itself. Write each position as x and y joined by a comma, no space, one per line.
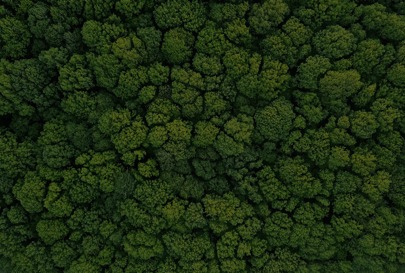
202,136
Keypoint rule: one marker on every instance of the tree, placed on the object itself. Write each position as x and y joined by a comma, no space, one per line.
240,128
179,131
227,146
202,136
225,210
299,33
82,267
38,20
237,31
274,122
161,111
158,74
334,42
281,48
62,254
51,231
176,13
14,38
187,247
152,40
387,25
28,80
129,8
129,139
75,75
372,58
311,70
130,83
363,162
31,193
57,203
298,179
176,46
97,10
207,65
130,50
98,36
141,245
319,14
339,158
107,70
363,124
386,113
336,87
395,75
377,185
188,98
211,41
205,134
264,17
56,151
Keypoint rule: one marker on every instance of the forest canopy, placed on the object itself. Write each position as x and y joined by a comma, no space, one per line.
202,136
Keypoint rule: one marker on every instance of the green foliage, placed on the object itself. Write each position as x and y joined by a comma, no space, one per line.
107,69
176,46
129,8
130,138
334,42
274,122
372,58
396,75
310,71
14,38
176,13
202,136
31,193
363,124
130,83
51,231
298,179
263,17
75,75
336,86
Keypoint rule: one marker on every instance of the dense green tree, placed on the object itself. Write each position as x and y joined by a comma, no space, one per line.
176,46
298,179
211,40
31,193
363,124
130,83
175,13
129,50
98,36
202,136
322,13
274,122
267,15
129,8
334,42
395,75
75,75
107,69
14,38
51,231
363,162
311,70
388,25
309,105
336,87
371,57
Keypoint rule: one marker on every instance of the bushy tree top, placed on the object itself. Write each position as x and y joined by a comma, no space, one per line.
202,136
